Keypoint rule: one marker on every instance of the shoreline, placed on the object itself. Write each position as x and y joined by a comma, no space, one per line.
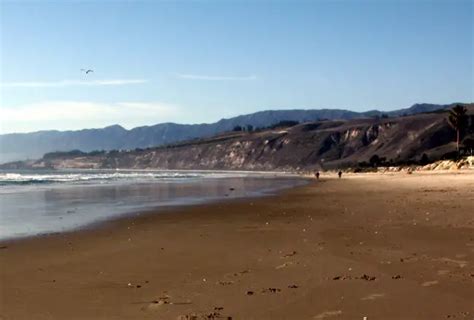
74,205
309,252
157,210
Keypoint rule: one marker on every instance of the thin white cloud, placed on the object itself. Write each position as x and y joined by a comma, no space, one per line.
74,115
71,83
214,78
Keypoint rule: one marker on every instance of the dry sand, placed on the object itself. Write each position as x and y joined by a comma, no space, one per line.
377,246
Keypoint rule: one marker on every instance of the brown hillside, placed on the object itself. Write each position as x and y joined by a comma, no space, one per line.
322,144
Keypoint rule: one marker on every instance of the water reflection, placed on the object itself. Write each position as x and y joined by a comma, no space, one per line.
59,208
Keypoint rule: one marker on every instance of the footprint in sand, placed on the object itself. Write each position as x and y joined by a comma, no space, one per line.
373,296
242,272
152,306
155,304
327,314
161,301
289,254
286,264
460,263
430,283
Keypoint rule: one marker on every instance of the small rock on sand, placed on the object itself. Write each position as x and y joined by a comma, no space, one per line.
367,278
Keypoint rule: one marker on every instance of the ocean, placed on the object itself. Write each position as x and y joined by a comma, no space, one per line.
38,202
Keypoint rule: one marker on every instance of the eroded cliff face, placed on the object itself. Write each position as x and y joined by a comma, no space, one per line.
19,146
323,144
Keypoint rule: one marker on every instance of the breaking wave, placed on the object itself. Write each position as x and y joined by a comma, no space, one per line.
32,178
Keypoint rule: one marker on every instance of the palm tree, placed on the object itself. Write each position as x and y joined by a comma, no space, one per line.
457,119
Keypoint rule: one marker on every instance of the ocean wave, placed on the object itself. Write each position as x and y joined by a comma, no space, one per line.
38,178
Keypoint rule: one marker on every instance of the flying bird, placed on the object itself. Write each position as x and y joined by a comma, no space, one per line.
87,71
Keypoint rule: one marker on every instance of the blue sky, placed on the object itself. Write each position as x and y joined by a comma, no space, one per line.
199,61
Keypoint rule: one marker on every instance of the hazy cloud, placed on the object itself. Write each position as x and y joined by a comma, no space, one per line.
70,83
214,78
73,115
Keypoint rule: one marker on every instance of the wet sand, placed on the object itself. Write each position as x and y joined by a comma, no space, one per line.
377,246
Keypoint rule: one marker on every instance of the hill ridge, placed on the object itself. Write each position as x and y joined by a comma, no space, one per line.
21,146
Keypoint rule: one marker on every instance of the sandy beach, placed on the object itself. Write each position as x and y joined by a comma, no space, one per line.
367,246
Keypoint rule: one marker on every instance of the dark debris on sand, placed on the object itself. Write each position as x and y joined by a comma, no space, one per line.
215,314
363,277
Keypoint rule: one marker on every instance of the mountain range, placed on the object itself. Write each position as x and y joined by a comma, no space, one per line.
22,146
323,144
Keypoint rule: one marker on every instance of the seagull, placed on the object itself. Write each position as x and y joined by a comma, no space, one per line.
87,71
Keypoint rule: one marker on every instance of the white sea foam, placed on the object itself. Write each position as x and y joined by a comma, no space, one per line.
39,177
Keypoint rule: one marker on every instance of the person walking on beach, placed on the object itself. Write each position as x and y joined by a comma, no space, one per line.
317,175
339,174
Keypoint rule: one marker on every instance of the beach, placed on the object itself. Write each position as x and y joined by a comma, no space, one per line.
39,202
367,246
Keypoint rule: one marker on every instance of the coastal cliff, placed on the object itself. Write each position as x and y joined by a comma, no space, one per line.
21,146
313,145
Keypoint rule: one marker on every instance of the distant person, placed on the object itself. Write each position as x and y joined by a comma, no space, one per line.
317,175
339,174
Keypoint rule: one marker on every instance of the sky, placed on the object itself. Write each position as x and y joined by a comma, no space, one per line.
200,61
